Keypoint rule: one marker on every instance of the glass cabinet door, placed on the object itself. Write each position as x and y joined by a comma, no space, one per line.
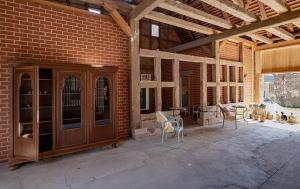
25,113
71,108
102,103
71,102
102,106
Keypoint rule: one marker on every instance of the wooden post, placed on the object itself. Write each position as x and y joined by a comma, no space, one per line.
218,68
176,78
134,78
203,90
157,76
228,84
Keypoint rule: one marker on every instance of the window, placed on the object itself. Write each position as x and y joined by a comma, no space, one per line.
144,99
154,30
93,10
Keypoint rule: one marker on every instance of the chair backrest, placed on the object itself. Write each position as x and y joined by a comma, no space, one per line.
161,117
224,110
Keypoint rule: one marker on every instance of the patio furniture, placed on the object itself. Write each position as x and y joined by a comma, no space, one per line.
195,112
170,124
233,114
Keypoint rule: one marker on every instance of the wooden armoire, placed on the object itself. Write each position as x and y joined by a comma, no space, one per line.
60,109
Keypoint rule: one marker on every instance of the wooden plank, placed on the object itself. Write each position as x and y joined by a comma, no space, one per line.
278,5
160,17
176,79
168,84
172,56
233,9
278,45
186,10
282,19
230,62
134,78
157,76
144,8
118,18
148,84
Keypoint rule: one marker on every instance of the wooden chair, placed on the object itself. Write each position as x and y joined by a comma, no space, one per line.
228,115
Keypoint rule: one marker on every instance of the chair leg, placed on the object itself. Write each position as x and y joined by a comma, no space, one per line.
235,124
223,122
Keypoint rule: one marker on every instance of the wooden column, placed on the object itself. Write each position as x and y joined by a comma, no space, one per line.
176,78
203,90
157,76
134,78
228,83
257,70
218,68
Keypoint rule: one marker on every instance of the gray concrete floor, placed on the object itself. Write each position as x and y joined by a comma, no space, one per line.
253,156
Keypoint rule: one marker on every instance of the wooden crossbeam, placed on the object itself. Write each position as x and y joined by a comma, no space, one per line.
117,18
279,45
233,9
144,8
278,5
260,38
186,10
160,17
282,19
283,34
118,4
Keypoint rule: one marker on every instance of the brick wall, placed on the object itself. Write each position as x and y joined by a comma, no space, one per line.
44,33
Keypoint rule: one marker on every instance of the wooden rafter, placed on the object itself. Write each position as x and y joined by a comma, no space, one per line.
181,8
282,19
278,5
233,9
117,18
118,4
145,7
160,17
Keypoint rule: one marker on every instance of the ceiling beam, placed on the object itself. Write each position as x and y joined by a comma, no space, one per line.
160,17
279,45
260,38
283,34
233,9
186,10
145,7
282,19
278,5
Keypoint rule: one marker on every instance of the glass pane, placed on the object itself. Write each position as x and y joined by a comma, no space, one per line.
71,103
25,107
102,113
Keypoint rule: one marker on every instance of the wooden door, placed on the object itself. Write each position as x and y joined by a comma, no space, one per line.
102,103
71,106
26,131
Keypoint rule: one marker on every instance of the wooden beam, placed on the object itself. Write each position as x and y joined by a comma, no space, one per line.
172,56
279,45
260,38
297,24
134,78
176,78
117,18
283,34
160,17
233,9
157,76
282,19
278,5
183,9
144,8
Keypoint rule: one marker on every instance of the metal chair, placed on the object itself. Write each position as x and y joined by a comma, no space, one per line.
170,124
228,115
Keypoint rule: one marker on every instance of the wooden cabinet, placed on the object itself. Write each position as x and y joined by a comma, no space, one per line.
62,109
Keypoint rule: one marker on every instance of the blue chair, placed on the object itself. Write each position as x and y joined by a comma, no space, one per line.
168,125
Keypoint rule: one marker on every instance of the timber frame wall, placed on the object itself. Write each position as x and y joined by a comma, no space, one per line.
216,83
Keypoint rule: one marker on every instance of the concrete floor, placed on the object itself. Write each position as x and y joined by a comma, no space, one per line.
253,156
